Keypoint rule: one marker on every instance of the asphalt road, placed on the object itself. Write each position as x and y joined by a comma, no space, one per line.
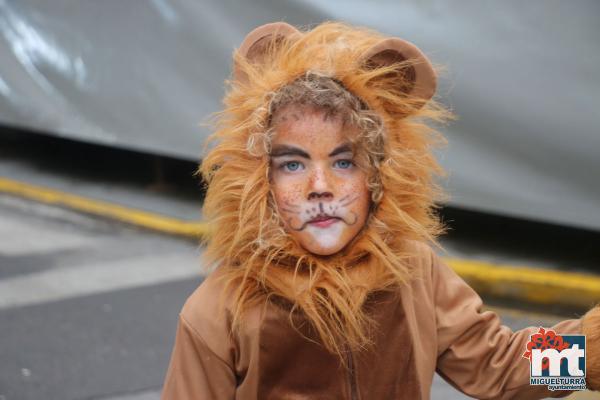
88,307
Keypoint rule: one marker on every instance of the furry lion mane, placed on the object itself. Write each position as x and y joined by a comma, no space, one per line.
259,261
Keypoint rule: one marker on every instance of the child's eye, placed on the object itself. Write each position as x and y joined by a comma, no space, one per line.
343,164
292,166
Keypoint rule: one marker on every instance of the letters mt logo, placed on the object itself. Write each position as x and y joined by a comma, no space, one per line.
557,361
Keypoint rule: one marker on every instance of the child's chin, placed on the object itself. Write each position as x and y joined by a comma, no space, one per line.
323,250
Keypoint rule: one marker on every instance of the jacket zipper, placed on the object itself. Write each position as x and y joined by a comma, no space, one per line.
352,377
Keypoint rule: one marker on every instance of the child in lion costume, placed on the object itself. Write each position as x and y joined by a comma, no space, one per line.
321,201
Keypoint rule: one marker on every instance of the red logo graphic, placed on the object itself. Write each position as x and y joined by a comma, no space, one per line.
545,339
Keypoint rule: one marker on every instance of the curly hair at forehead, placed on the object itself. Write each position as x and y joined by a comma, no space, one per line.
261,261
326,94
320,91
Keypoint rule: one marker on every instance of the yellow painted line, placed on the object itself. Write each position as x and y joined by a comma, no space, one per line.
104,209
526,284
540,286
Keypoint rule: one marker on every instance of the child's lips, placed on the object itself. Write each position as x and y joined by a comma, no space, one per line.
323,222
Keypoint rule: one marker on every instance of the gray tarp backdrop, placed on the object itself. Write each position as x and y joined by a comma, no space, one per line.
523,78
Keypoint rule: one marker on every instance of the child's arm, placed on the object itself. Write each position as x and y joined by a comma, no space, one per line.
195,371
483,358
203,357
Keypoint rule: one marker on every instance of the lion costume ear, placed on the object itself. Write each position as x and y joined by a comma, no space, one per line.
414,75
257,43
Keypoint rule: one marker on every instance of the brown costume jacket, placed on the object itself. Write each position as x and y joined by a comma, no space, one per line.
435,323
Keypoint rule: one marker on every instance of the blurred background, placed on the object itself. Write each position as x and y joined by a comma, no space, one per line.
101,112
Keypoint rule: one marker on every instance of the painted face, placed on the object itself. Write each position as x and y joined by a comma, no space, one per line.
320,191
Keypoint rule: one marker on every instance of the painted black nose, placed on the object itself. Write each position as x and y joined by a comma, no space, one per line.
322,195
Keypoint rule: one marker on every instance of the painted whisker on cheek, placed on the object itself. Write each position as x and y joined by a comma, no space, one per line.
344,198
348,202
287,203
290,211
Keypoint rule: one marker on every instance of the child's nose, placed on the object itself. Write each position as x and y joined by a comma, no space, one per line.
320,186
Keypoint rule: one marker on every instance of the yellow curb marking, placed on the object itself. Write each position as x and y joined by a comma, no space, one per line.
530,284
524,283
104,209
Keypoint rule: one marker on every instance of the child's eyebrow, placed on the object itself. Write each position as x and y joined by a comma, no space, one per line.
346,147
286,150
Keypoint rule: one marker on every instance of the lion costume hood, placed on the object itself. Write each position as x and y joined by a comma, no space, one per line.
263,263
